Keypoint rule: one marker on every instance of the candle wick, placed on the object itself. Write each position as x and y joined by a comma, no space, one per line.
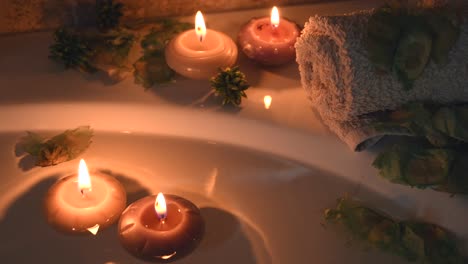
84,191
162,218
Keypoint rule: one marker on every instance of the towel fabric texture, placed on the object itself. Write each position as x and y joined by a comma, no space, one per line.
345,88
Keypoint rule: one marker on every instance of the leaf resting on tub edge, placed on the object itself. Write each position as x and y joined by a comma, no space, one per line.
60,148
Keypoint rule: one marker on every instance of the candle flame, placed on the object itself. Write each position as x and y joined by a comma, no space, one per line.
84,180
200,27
160,206
275,19
267,101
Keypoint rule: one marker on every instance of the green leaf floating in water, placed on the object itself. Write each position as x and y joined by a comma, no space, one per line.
152,68
415,241
60,148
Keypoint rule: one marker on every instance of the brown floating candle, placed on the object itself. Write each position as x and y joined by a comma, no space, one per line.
161,229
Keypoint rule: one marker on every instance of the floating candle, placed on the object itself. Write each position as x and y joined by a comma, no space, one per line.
269,40
161,229
82,203
198,53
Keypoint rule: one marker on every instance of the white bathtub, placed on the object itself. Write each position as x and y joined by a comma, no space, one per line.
262,177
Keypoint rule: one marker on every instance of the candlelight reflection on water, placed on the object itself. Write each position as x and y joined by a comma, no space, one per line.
211,182
267,101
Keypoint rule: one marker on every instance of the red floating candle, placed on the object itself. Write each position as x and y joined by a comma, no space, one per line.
269,40
161,229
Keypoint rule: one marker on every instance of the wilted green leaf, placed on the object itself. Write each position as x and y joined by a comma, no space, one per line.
31,143
152,68
60,148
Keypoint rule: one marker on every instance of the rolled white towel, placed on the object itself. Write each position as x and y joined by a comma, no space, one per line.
344,86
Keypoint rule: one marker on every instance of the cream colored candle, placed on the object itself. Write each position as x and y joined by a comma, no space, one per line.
84,203
198,53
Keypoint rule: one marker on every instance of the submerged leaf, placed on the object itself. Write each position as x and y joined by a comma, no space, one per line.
60,148
152,68
415,241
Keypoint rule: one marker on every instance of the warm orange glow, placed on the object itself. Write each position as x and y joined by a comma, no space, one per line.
84,180
200,27
160,206
267,101
169,256
275,19
94,229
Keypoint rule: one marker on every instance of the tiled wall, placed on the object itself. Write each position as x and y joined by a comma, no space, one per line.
31,15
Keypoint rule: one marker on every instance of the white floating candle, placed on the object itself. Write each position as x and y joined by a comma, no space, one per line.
198,53
82,203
